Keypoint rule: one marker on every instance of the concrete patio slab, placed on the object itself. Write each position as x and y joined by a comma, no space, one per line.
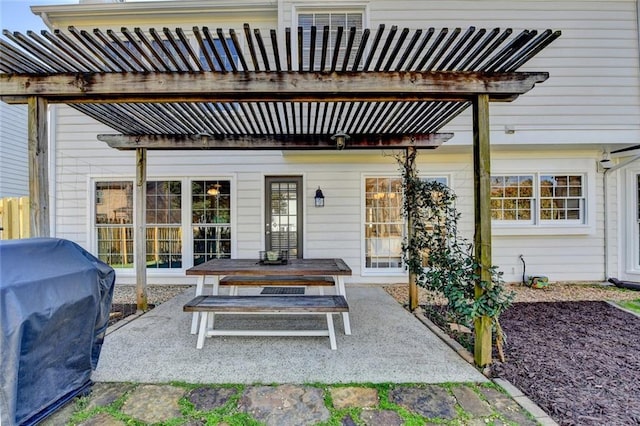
388,344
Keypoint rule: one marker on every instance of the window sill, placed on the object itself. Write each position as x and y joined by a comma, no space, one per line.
506,230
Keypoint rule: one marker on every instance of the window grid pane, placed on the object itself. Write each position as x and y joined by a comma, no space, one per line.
115,245
562,198
511,197
226,61
211,242
333,20
164,247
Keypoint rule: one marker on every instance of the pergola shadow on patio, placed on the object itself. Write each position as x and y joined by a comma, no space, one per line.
384,89
388,344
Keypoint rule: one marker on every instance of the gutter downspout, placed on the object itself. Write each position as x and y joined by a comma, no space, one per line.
606,207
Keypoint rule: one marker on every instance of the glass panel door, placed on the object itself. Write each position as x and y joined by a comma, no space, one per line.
283,216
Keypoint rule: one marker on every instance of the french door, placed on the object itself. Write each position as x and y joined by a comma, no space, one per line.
283,214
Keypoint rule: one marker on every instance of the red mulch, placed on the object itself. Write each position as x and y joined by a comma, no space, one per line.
579,361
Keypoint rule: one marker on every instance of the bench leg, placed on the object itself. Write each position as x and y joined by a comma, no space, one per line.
332,332
196,315
345,315
203,330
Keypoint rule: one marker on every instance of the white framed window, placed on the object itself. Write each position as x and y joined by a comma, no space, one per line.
562,198
537,199
187,222
512,198
211,219
332,18
164,224
168,53
114,222
384,224
219,58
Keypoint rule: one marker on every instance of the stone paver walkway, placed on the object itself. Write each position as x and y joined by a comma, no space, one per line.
295,405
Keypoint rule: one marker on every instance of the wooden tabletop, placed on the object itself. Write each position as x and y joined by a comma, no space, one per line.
254,267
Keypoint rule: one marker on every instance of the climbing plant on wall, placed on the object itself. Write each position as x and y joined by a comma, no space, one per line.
441,259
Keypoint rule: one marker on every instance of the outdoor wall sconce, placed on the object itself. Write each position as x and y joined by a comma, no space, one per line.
319,199
606,163
340,138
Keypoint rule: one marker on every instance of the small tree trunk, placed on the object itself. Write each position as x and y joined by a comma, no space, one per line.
413,282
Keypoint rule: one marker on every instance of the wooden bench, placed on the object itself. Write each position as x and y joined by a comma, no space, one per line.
207,306
235,281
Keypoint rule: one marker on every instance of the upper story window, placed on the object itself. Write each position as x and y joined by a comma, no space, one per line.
168,54
155,55
219,57
333,20
538,199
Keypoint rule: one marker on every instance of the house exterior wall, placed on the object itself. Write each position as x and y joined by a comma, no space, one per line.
590,104
14,172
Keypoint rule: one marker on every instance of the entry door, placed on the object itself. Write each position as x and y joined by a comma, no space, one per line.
283,216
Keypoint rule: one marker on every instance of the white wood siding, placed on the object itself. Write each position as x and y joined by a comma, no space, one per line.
14,168
593,93
336,229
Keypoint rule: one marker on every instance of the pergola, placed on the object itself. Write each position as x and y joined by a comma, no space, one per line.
387,88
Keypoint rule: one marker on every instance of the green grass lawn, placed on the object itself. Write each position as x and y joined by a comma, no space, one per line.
632,305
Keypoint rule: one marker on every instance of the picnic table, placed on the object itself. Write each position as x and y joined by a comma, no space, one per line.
252,272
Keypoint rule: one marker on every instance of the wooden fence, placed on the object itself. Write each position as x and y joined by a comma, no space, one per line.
14,218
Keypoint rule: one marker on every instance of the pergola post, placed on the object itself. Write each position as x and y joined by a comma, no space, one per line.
38,144
413,285
140,235
482,213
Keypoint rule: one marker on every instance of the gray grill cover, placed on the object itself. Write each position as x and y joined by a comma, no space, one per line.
55,299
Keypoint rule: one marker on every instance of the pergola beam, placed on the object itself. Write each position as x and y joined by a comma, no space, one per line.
272,142
262,86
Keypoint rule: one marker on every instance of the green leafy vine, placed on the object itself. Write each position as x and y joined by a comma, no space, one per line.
441,259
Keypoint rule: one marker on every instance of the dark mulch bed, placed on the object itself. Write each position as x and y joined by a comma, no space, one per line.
120,311
579,361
